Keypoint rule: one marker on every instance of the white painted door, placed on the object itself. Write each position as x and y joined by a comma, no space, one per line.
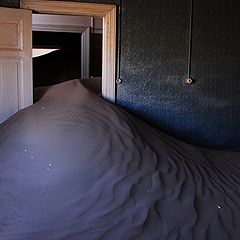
15,61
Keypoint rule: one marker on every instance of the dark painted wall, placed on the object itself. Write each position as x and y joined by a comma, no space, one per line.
215,100
153,62
10,3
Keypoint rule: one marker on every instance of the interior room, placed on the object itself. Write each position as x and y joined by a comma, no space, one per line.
119,120
71,48
57,66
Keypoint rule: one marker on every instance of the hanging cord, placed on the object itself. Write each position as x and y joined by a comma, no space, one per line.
188,80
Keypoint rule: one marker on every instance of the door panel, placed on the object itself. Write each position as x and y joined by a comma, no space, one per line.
10,39
9,84
15,61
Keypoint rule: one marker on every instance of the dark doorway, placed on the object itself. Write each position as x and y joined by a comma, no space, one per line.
61,65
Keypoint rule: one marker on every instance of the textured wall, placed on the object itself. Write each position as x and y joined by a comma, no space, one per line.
9,3
216,70
153,62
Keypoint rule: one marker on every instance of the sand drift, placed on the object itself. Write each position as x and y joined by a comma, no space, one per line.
75,167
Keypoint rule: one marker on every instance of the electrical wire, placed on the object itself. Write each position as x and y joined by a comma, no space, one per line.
190,40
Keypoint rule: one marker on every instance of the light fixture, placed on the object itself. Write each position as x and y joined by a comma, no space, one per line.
37,52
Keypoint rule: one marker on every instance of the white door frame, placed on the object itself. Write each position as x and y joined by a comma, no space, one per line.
75,24
109,14
85,53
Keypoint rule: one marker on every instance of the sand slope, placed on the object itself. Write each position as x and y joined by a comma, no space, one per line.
75,167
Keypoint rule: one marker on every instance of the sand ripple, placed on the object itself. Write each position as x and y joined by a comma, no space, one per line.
75,167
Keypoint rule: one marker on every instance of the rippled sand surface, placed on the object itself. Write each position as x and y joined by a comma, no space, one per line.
74,167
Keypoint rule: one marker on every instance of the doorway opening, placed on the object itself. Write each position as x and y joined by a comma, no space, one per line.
66,48
105,11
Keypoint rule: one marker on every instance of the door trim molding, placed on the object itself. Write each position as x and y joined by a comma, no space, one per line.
109,14
85,54
56,23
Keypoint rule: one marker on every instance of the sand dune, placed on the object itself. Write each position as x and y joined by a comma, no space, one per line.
75,167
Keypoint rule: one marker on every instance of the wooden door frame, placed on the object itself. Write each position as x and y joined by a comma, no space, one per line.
79,24
109,14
